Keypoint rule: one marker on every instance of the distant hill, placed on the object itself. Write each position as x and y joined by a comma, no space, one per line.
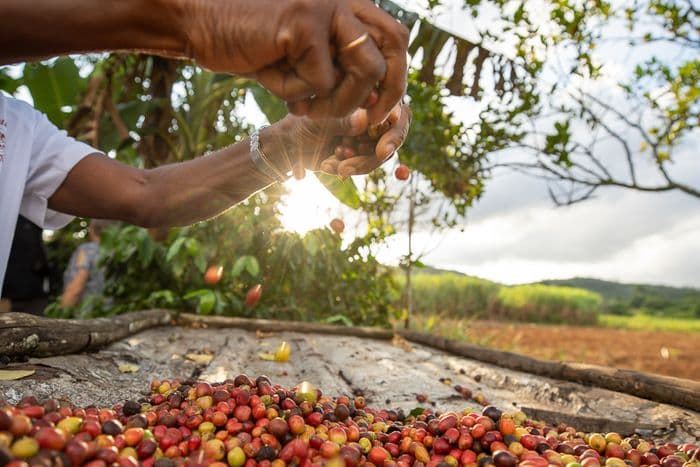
611,290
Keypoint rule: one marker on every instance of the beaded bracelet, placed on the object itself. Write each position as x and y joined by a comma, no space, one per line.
262,163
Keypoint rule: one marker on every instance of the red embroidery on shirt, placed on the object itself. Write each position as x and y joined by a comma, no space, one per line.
3,129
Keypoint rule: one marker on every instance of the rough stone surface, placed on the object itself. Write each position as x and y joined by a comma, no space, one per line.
387,375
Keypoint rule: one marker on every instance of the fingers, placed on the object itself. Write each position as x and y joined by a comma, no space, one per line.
330,165
357,165
353,125
315,67
284,83
390,141
392,39
361,63
392,88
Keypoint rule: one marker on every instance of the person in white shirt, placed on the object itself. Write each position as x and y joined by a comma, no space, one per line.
323,57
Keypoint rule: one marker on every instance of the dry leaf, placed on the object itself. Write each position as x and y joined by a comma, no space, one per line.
262,334
200,358
128,368
398,341
9,375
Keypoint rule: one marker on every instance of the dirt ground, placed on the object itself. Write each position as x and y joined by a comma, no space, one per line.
666,353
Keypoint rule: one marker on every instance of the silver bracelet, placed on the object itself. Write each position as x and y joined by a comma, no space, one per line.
262,163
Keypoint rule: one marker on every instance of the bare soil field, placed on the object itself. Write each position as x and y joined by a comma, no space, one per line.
667,353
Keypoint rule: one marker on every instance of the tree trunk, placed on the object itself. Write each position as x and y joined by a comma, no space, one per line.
409,266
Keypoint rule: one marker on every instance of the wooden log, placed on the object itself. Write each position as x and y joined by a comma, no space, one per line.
676,391
666,389
35,336
591,424
271,325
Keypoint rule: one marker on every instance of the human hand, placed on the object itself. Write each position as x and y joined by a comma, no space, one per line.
323,57
343,146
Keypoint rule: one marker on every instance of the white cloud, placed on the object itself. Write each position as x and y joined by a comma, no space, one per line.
622,235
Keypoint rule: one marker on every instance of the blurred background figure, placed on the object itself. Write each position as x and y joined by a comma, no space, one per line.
26,286
83,277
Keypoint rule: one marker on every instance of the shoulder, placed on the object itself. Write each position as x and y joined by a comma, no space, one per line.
17,112
89,248
84,254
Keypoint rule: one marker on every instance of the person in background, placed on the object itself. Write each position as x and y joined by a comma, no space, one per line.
26,287
83,276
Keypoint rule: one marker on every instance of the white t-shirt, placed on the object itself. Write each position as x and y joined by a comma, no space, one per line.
35,158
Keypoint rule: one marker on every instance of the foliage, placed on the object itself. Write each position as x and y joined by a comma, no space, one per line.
645,322
626,299
451,294
308,277
592,129
459,296
547,304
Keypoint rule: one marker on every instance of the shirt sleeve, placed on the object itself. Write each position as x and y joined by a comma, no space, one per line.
53,155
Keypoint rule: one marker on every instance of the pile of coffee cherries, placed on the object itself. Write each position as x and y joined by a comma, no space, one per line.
245,422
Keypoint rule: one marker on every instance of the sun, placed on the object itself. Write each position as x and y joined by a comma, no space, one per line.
308,205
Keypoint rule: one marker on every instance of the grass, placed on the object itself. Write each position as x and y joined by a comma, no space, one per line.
451,294
549,304
457,296
644,322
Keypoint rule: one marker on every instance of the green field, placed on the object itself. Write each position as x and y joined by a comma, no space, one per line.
644,322
447,294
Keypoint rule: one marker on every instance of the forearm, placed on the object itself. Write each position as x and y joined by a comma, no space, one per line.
73,291
201,188
43,28
171,195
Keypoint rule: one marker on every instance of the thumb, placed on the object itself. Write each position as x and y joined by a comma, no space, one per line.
352,125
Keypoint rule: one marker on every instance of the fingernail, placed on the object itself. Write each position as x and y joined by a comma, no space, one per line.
390,148
355,120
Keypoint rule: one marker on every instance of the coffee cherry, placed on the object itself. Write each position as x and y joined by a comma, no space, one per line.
253,296
402,172
213,274
337,225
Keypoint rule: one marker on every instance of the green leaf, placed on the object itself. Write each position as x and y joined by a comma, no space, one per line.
7,83
192,246
252,266
146,250
519,13
54,86
206,303
207,300
238,266
273,108
201,263
339,318
161,297
195,294
175,248
416,412
344,190
311,243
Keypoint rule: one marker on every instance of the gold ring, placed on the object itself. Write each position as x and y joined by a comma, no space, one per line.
355,43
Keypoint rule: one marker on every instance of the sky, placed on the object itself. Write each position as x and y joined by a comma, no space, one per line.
515,234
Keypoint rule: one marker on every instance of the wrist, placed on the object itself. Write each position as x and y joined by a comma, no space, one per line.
274,144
